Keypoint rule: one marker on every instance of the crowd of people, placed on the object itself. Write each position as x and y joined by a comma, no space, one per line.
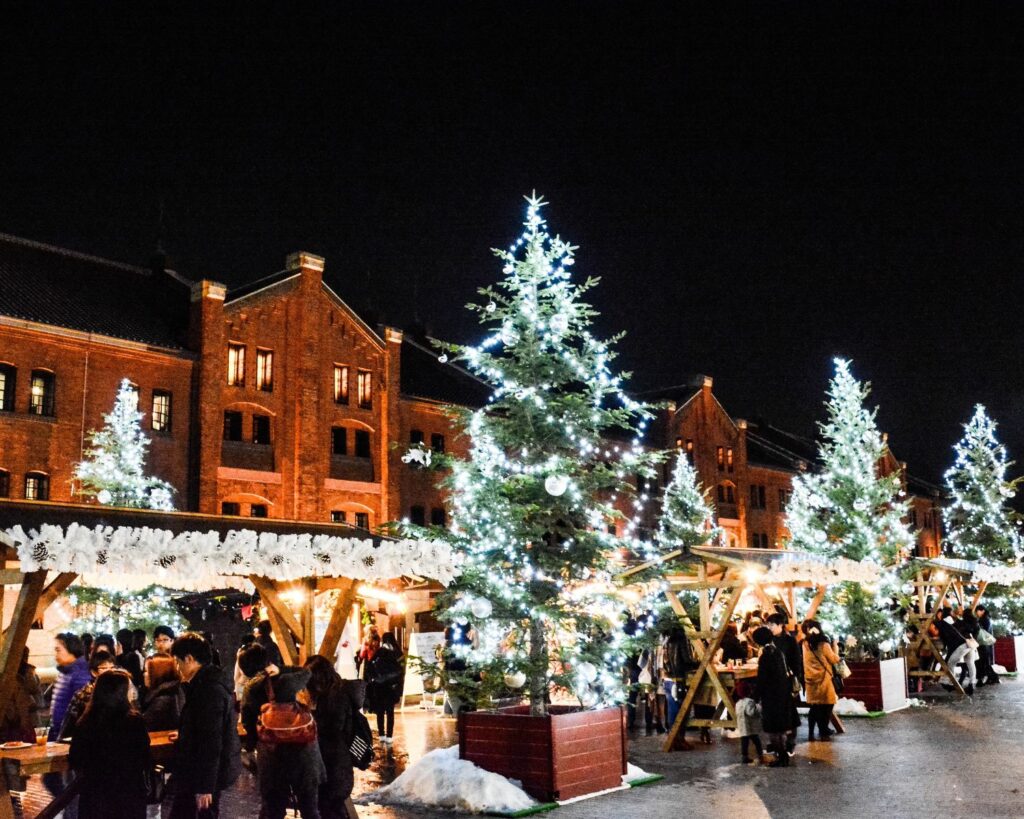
295,727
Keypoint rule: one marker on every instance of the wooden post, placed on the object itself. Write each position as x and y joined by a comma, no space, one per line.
819,598
15,637
339,615
308,621
283,622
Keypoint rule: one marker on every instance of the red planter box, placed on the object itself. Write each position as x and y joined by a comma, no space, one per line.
1007,653
566,754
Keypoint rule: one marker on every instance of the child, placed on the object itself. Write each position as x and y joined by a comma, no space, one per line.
748,720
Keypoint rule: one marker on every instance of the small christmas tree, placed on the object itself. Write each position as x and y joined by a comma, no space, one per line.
849,510
114,468
685,514
979,524
534,503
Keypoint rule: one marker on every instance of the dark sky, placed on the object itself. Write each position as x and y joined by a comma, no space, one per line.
758,192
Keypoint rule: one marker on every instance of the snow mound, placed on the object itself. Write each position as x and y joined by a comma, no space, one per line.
914,702
633,772
999,669
846,707
440,779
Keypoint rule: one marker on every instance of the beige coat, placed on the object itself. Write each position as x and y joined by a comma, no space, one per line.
818,674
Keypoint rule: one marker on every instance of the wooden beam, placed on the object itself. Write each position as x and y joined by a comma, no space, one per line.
13,642
816,602
308,620
269,594
977,595
339,615
285,640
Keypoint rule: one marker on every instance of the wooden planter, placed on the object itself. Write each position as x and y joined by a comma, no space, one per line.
1010,651
566,754
881,684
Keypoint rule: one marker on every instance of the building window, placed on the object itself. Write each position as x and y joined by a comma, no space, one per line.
340,384
757,497
236,365
784,499
912,518
258,510
437,442
160,417
364,389
758,540
726,493
40,400
8,376
37,486
362,520
5,483
418,516
728,459
339,441
362,443
720,458
228,508
339,516
133,396
437,516
261,429
265,370
416,436
232,425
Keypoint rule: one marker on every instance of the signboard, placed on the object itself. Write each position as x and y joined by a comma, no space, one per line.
424,646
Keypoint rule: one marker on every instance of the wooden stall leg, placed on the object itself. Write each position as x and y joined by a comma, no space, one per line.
286,628
339,615
16,636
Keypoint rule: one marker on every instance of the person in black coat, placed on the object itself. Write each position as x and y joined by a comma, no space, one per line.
263,637
335,701
732,647
207,756
128,658
110,752
164,697
289,768
986,654
775,695
385,678
785,642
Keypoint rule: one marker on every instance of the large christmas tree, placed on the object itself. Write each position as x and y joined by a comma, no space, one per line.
847,509
114,468
979,523
686,515
534,503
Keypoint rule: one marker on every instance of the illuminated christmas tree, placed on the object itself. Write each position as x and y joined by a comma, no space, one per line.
848,510
979,524
557,445
114,468
685,513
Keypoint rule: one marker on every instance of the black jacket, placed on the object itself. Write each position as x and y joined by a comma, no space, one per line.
774,692
950,635
111,758
207,756
385,679
254,697
787,644
273,652
289,767
161,706
335,727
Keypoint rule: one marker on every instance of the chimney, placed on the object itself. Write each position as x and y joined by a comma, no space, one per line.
309,264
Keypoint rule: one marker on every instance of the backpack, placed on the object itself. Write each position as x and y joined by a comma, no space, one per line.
361,747
285,723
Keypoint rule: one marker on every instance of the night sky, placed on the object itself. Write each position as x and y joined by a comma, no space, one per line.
758,192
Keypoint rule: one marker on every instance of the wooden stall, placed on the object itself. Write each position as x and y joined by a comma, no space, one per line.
45,547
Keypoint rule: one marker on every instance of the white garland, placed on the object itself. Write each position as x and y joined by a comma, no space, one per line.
126,550
823,573
1000,575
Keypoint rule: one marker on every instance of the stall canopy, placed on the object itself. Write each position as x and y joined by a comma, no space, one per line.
45,547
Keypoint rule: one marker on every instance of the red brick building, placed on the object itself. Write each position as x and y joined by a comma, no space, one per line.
276,399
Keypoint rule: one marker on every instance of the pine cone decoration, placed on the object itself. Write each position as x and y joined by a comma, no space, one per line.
40,553
166,561
101,557
323,557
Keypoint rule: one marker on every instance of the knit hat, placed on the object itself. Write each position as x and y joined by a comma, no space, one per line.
163,631
762,635
289,683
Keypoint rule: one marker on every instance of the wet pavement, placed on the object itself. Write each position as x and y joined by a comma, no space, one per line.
951,759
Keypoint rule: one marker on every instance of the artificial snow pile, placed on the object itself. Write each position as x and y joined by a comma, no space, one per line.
914,702
999,669
633,773
846,707
441,780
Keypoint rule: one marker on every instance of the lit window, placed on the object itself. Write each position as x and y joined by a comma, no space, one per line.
160,418
339,441
340,384
362,443
236,365
265,370
40,401
258,510
362,520
7,380
339,516
720,457
261,429
365,389
37,486
728,459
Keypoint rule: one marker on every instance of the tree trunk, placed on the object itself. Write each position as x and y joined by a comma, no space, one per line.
539,668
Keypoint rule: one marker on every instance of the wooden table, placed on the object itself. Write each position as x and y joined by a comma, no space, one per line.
53,758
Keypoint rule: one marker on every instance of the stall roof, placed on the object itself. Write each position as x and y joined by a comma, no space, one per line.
975,570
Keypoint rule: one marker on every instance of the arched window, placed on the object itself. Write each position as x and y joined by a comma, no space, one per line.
726,492
40,399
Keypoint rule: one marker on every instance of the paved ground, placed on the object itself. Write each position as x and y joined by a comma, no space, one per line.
953,759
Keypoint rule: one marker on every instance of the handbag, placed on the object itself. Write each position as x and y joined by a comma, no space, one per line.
985,638
843,669
972,644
